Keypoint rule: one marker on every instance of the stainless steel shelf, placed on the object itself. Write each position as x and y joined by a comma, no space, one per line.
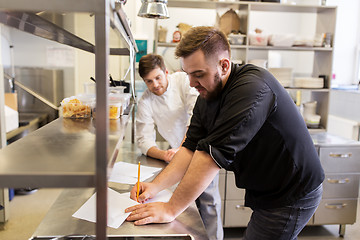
254,6
324,139
265,48
295,48
308,89
38,26
72,199
51,5
296,8
60,154
166,44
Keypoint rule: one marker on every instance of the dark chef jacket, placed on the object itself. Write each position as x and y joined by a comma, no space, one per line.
255,130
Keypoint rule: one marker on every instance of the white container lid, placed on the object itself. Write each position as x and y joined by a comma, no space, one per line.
117,89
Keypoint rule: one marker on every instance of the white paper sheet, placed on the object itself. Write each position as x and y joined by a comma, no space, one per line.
127,179
117,203
124,172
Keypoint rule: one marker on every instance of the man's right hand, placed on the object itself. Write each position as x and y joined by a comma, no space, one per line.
146,191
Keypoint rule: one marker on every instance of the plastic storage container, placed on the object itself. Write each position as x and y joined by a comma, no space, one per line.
77,106
89,88
281,40
116,109
236,39
258,39
117,89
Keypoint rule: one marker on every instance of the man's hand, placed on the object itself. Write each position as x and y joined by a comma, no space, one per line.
146,191
169,154
156,212
165,155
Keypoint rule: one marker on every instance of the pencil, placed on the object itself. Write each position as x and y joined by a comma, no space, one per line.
138,184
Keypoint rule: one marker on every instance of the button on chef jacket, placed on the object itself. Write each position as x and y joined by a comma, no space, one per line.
170,113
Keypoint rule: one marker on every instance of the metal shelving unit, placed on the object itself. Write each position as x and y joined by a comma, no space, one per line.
38,171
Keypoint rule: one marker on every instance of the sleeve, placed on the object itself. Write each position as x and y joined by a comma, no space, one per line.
241,115
196,129
145,127
190,96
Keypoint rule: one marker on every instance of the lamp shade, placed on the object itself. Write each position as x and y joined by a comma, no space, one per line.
153,9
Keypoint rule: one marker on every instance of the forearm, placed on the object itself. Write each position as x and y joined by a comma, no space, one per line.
157,153
197,178
199,170
176,169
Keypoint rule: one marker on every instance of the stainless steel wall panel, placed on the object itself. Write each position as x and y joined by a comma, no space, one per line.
47,83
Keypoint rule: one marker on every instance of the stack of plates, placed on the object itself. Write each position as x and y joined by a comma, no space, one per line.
308,82
283,75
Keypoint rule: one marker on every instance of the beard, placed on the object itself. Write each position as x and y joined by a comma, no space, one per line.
216,92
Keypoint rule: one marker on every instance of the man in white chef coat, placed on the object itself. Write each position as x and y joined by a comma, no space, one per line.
167,103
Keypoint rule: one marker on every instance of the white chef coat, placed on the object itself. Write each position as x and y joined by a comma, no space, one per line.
171,113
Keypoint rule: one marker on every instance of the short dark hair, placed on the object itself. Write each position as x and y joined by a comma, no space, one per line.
149,62
209,40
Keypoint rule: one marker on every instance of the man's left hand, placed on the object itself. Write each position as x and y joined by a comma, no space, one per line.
169,154
156,212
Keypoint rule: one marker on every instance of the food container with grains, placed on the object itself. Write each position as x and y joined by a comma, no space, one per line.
115,107
77,106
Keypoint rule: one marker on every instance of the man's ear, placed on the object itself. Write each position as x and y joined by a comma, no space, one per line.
225,65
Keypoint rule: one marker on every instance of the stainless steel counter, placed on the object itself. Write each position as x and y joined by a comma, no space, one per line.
60,154
32,122
329,140
59,220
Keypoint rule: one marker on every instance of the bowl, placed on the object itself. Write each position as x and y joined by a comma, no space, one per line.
312,121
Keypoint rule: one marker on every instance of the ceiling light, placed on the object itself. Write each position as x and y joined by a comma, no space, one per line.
154,9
